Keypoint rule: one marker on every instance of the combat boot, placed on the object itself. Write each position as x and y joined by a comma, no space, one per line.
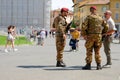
87,67
60,64
98,66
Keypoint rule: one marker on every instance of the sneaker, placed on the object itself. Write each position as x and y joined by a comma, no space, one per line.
106,66
74,50
6,50
15,49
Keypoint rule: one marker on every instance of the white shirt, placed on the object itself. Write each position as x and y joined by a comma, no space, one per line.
42,34
111,24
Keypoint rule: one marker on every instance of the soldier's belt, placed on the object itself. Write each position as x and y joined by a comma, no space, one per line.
94,33
59,33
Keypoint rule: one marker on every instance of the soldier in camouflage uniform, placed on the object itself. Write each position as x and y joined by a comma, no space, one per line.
92,29
59,25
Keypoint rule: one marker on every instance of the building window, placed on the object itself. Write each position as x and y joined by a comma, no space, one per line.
116,16
104,9
117,5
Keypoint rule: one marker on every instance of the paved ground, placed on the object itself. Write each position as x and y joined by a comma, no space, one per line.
38,63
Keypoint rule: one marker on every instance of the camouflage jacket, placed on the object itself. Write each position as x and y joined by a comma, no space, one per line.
60,25
94,24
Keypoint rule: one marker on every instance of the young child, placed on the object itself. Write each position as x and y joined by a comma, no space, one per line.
11,37
75,39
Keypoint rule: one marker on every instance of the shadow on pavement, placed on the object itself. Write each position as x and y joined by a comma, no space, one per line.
70,68
67,51
116,59
65,68
33,66
54,68
51,67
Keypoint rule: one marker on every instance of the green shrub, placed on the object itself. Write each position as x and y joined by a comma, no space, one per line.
18,41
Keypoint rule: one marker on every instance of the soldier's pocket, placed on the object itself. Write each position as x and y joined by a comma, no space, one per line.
88,44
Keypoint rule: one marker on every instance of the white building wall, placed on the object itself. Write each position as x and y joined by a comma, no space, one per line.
47,14
23,13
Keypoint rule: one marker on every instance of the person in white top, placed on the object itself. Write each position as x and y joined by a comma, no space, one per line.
42,36
11,38
108,37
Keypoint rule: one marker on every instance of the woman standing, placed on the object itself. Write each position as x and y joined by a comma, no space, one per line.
11,38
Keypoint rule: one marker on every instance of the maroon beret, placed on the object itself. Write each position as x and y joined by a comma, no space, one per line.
93,7
64,10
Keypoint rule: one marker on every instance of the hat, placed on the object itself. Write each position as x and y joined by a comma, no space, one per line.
93,7
64,10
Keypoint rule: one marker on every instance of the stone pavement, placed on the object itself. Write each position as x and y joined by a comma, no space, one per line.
38,63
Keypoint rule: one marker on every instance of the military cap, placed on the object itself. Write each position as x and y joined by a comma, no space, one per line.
93,7
64,10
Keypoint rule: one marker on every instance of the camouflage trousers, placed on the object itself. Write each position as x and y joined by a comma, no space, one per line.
93,42
60,44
